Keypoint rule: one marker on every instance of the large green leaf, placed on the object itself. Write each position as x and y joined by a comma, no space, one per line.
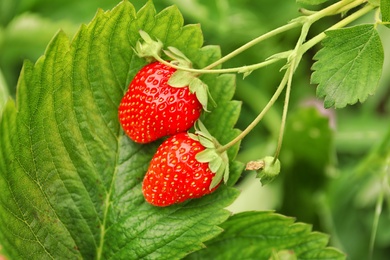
349,67
258,235
70,179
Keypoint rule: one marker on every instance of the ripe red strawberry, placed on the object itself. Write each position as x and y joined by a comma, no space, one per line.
175,174
152,108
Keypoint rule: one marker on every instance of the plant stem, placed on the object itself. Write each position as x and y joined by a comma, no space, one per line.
253,42
219,71
290,73
352,5
336,8
258,118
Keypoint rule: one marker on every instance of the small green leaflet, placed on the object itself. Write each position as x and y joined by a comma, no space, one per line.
385,10
349,66
259,235
311,2
70,179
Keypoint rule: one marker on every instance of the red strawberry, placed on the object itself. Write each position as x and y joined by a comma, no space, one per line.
176,174
152,108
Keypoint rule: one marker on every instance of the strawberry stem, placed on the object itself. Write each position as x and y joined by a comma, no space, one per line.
290,74
253,42
258,118
242,69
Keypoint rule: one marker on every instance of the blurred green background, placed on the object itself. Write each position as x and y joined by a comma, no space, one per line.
335,164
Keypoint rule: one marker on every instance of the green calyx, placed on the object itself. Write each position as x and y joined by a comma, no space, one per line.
149,48
267,169
218,161
178,58
183,78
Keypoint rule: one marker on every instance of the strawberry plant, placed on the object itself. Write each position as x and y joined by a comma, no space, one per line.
92,168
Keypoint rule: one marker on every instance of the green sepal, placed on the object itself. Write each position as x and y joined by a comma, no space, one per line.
222,172
200,129
149,49
226,173
215,164
180,79
206,155
200,89
217,178
193,136
206,142
267,169
178,58
218,161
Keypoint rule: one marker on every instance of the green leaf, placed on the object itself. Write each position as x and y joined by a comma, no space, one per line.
385,10
349,66
70,179
311,2
256,235
207,155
